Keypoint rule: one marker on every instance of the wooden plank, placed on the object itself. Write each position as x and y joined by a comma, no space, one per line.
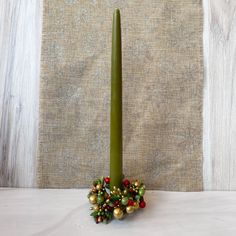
20,35
66,212
220,95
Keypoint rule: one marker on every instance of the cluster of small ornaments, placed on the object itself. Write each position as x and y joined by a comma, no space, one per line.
116,202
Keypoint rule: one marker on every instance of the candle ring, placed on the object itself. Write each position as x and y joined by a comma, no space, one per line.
115,204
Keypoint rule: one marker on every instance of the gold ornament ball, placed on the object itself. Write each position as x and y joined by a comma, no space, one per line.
136,183
118,213
99,186
93,199
129,209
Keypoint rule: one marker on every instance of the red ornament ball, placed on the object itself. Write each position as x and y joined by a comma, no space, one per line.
142,204
130,202
126,182
107,180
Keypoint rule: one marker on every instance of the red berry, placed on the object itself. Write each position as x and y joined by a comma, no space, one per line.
126,182
107,180
142,204
116,203
130,202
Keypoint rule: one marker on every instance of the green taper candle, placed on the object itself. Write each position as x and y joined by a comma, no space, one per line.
116,105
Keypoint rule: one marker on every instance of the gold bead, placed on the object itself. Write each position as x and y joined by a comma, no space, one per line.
125,191
118,213
108,200
99,186
136,183
96,208
93,199
136,205
94,190
129,209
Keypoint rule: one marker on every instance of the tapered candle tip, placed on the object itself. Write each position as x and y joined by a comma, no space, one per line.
117,11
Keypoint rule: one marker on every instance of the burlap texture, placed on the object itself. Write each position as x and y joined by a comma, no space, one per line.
162,92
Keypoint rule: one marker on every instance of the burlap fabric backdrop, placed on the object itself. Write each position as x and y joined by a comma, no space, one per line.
162,92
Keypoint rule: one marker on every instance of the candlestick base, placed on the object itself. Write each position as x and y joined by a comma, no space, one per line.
117,202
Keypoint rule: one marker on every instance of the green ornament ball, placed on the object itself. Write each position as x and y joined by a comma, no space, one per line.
124,201
141,192
100,199
137,197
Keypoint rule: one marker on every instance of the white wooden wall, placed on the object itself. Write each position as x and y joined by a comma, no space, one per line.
20,43
20,35
220,95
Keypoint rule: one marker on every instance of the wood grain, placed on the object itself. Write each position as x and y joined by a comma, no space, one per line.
66,212
20,36
219,95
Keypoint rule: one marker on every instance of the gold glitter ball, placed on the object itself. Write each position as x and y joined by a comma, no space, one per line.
118,213
129,209
99,186
93,199
136,206
96,208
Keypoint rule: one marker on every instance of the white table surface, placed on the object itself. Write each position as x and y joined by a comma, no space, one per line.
66,212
